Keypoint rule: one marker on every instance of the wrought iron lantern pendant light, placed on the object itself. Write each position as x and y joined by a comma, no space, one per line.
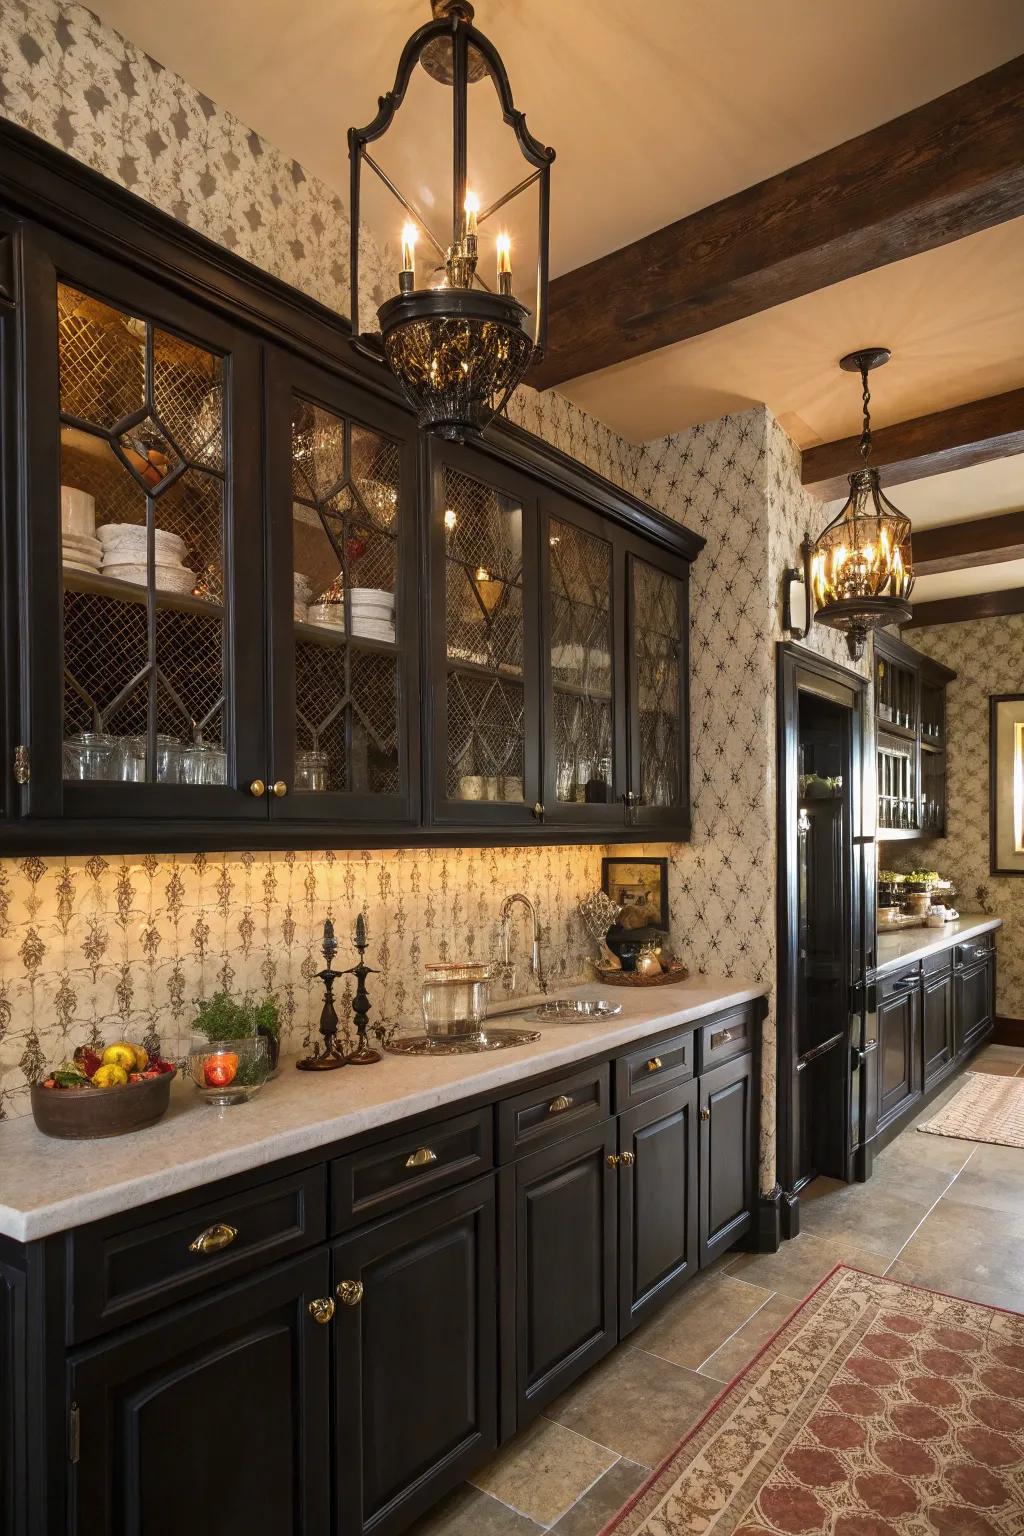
860,571
460,348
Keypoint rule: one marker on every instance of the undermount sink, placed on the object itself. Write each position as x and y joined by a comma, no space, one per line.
571,1010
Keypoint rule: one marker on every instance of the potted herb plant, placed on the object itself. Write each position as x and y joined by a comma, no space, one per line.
220,1018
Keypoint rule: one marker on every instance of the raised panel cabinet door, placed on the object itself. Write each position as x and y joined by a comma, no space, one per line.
726,1111
899,1080
485,716
344,601
144,628
658,727
974,1003
212,1421
566,1251
416,1379
658,1197
937,1026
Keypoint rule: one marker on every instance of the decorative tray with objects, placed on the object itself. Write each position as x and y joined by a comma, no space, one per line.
671,971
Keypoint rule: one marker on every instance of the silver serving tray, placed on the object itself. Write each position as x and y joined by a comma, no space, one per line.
463,1045
569,1010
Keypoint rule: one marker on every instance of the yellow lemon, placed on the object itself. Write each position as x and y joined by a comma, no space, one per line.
120,1054
141,1058
110,1076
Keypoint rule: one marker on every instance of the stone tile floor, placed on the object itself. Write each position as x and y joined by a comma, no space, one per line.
936,1212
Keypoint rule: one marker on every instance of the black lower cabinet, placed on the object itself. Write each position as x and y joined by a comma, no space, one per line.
416,1358
899,1052
657,1202
938,1044
727,1122
212,1420
563,1230
974,1003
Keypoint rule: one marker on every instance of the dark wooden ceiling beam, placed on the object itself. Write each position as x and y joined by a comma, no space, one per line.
959,546
960,610
945,170
929,445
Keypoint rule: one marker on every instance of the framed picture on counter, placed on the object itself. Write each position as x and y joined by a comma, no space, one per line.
638,883
1006,783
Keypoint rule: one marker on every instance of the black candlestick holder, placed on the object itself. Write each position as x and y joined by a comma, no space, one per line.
330,1053
364,1055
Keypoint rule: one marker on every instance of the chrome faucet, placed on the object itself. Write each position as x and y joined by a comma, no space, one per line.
506,959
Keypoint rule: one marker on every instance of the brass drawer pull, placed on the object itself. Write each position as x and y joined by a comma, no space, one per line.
628,1159
321,1309
722,1038
214,1238
279,787
705,1112
654,1065
350,1293
613,1159
257,788
421,1158
557,1106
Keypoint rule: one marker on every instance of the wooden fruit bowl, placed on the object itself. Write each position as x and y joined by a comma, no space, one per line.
84,1114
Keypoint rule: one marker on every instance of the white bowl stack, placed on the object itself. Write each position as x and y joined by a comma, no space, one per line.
124,557
373,614
81,549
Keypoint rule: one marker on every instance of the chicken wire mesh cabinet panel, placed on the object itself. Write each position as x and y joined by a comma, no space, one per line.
143,697
485,769
657,633
582,643
343,602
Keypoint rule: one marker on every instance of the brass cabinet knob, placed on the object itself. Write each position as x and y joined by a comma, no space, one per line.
349,1292
654,1065
213,1239
321,1309
421,1158
538,811
627,1159
705,1112
257,788
279,787
612,1160
557,1106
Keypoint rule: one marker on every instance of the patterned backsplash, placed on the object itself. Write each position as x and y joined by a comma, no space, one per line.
95,948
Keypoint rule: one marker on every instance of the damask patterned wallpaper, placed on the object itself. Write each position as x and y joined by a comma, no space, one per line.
988,657
86,942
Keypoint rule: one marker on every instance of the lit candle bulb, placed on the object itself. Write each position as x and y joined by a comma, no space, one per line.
504,244
407,276
472,208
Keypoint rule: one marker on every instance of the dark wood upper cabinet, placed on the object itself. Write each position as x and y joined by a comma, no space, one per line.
910,723
657,638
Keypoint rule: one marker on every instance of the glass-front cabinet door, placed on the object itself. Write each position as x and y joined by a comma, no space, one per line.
484,642
657,636
143,548
582,636
344,613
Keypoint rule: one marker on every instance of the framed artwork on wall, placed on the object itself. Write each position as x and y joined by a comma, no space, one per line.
638,883
1006,783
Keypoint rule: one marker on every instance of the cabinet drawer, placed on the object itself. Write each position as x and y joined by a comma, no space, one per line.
122,1269
653,1069
974,950
732,1034
938,965
895,982
544,1115
389,1175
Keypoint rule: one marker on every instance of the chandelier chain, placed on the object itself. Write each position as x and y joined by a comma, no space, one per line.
865,436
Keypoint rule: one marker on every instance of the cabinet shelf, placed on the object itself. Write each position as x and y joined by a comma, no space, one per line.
130,592
322,634
574,691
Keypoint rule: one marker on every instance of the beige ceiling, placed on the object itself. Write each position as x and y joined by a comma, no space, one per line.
962,495
980,578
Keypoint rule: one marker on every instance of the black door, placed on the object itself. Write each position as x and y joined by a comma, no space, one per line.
582,651
212,1420
657,637
899,1052
415,1364
344,602
563,1228
658,1198
484,643
974,987
937,1026
727,1156
143,536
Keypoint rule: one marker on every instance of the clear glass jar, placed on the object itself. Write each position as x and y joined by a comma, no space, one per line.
229,1072
455,998
128,762
87,755
311,770
203,763
168,760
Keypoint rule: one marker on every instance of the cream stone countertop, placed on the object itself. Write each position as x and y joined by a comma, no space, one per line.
908,944
48,1185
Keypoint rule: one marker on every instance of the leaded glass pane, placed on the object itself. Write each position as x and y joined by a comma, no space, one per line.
580,566
658,645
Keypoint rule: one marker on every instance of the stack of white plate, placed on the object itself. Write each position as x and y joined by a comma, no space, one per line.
81,553
82,549
302,594
124,557
373,613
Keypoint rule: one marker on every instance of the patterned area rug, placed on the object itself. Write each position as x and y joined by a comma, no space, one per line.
878,1409
987,1108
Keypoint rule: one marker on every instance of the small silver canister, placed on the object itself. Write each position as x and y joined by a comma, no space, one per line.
455,998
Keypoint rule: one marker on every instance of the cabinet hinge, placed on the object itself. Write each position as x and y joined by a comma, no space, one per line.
22,766
74,1433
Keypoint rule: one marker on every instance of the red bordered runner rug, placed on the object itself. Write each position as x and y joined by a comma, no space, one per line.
878,1409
